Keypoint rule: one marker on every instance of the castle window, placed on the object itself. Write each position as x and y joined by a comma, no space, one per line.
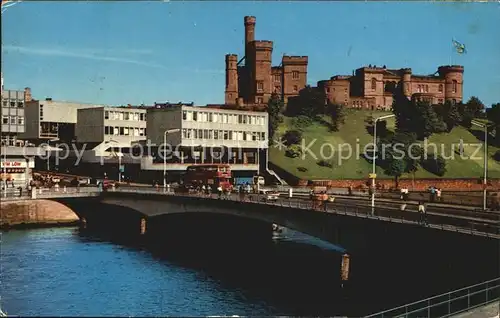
295,88
440,88
277,78
454,86
328,89
259,100
260,86
426,88
295,74
374,83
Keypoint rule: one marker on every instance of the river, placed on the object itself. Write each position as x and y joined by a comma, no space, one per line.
67,272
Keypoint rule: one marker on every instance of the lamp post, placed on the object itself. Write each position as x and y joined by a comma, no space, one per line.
485,179
48,152
374,156
165,133
4,143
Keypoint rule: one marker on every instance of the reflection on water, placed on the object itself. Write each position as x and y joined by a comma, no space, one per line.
68,272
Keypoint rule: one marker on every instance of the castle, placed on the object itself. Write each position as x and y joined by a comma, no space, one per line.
252,80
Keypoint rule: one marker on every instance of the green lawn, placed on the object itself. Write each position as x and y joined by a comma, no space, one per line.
354,133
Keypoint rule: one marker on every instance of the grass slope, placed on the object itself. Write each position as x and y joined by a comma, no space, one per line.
354,133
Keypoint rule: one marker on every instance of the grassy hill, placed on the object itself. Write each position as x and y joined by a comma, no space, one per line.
354,133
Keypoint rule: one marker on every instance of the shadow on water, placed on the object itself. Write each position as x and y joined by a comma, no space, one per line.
291,277
296,277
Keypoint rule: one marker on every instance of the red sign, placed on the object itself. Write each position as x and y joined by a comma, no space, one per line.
13,164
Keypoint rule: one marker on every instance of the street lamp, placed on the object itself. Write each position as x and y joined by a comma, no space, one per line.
49,152
4,143
165,133
374,151
485,180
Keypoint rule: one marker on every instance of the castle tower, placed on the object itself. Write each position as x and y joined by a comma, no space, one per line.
294,75
407,82
453,82
261,85
249,31
231,93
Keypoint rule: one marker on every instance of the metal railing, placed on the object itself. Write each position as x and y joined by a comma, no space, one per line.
454,223
450,303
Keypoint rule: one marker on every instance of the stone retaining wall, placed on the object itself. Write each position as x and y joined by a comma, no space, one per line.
418,184
35,213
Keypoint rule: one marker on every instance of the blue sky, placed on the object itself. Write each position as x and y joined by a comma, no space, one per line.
142,52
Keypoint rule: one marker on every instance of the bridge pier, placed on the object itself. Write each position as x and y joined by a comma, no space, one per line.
143,226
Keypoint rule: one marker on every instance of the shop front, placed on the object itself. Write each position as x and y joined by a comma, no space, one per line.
16,172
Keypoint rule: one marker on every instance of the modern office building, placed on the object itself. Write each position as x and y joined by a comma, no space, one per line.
13,115
52,120
206,135
104,137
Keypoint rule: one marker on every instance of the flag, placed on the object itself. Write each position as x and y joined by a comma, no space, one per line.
459,47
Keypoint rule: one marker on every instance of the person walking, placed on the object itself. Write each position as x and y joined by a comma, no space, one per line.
422,213
438,194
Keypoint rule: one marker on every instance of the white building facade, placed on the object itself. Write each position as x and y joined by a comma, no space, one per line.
48,120
207,135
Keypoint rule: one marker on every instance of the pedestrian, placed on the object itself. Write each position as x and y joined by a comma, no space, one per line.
219,190
438,194
422,213
349,190
433,194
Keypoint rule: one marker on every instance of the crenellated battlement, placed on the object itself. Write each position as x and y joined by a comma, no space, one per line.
262,45
250,20
450,68
287,60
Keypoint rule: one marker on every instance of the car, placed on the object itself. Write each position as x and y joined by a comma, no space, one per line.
270,195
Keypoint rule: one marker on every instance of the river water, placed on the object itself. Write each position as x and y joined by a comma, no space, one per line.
67,272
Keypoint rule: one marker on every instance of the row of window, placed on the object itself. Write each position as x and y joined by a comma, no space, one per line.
124,131
19,104
205,117
115,115
222,134
295,76
13,120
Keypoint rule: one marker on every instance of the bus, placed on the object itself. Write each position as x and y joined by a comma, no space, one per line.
214,175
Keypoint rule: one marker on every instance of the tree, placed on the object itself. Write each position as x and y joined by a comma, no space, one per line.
475,107
310,103
337,115
274,109
405,112
292,137
450,114
435,164
496,156
494,116
301,122
427,121
396,168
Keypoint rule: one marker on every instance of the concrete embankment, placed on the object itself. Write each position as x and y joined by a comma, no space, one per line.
35,213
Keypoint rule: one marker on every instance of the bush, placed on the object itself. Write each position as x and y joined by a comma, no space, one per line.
435,164
324,163
496,156
292,137
293,151
301,122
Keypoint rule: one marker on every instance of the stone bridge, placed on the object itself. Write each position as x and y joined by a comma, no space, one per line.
352,228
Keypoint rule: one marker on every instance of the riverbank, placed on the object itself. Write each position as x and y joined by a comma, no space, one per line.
22,214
